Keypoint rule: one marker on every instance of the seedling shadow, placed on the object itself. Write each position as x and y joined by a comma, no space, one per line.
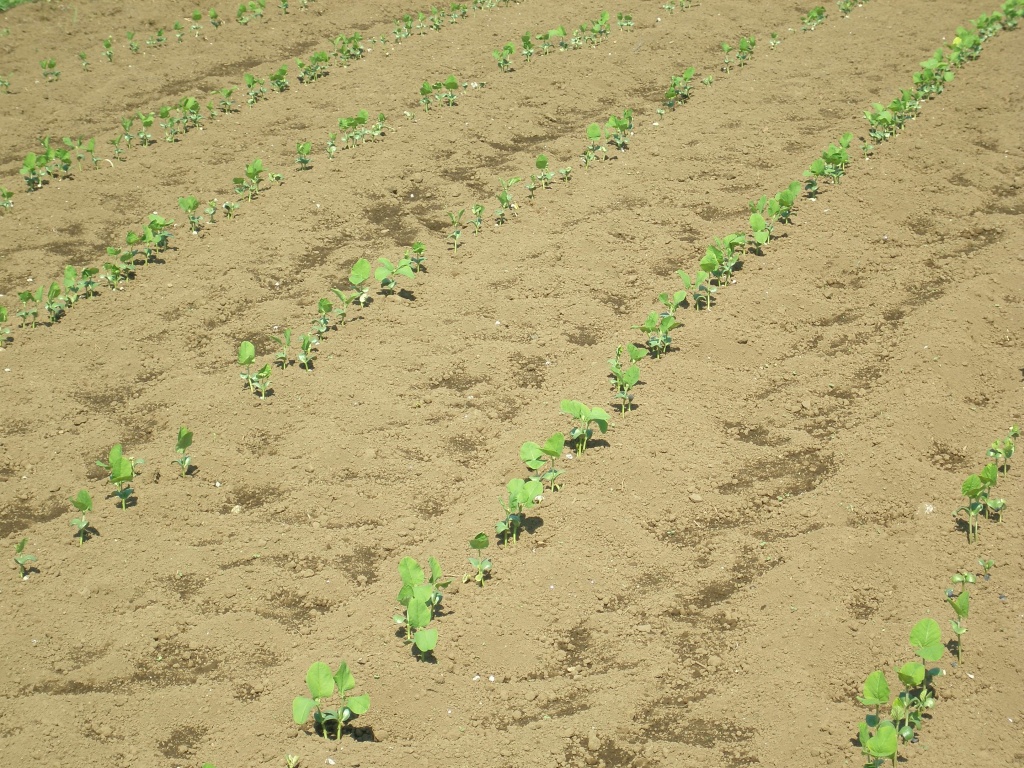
597,443
964,527
532,524
406,294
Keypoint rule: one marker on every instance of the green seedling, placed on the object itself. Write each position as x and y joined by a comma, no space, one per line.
179,31
420,597
83,503
348,48
417,256
723,256
785,200
585,420
745,50
307,355
284,341
225,103
727,63
1002,450
550,38
50,71
544,176
158,39
29,307
387,273
986,565
262,384
84,60
934,74
322,323
183,444
249,185
774,40
477,221
246,357
846,6
679,89
565,174
6,199
541,459
457,227
121,471
836,158
229,209
302,150
625,378
812,174
255,90
974,490
190,205
358,275
4,332
596,146
505,200
624,20
214,18
521,495
210,209
291,761
504,55
879,739
332,145
22,558
961,605
33,169
279,80
108,49
482,565
617,129
813,18
133,46
55,303
658,329
322,686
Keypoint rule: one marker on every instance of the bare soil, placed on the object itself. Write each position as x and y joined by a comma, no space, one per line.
719,572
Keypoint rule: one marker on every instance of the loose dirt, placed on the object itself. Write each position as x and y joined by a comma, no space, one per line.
719,572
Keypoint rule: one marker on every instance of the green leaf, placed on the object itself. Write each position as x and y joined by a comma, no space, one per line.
876,690
593,131
961,604
478,542
598,416
360,271
359,705
121,471
419,614
184,440
911,674
573,408
410,571
343,679
972,486
926,640
884,742
425,640
319,680
301,707
83,501
246,353
554,445
435,570
530,454
989,475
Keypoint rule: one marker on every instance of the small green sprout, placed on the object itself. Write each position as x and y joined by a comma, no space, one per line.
420,597
624,379
479,542
961,605
190,205
595,147
974,490
926,640
387,273
84,59
226,103
541,459
813,18
416,255
322,685
4,332
699,288
108,49
279,80
322,323
521,496
358,275
249,184
679,89
121,471
284,341
585,419
307,355
457,227
50,71
617,129
291,761
1002,450
658,329
745,49
22,558
478,218
624,20
83,503
184,443
303,150
565,174
727,63
544,177
986,566
503,56
262,384
246,357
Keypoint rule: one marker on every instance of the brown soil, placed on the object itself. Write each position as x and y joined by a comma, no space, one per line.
718,574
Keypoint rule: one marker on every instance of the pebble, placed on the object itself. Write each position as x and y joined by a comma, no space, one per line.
696,498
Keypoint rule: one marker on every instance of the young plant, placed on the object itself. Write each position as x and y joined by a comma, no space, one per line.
4,332
190,205
358,275
482,565
22,558
279,80
387,273
879,739
679,89
544,176
658,329
307,355
284,341
420,597
416,255
986,566
585,419
975,491
503,56
262,383
745,50
121,471
184,443
595,147
727,63
961,605
813,18
1002,450
302,150
108,49
521,496
541,459
246,357
50,71
617,129
83,503
322,686
457,227
249,184
624,379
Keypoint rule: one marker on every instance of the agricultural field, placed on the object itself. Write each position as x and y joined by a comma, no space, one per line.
512,384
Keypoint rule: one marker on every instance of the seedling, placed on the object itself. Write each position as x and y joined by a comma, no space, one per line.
596,147
585,420
679,89
4,332
279,80
108,49
565,174
541,459
291,761
262,384
709,80
246,357
975,490
284,341
303,149
962,579
625,21
503,57
121,471
545,177
229,209
879,738
50,71
226,103
190,205
196,27
358,275
322,323
835,158
961,605
727,63
658,329
482,565
348,48
22,558
322,685
813,18
624,379
307,355
457,227
184,443
387,273
255,91
521,496
249,185
774,40
617,129
420,598
1002,450
986,566
83,503
745,50
84,59
761,229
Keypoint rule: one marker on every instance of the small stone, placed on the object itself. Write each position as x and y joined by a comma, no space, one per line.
714,661
741,340
593,742
696,498
236,510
